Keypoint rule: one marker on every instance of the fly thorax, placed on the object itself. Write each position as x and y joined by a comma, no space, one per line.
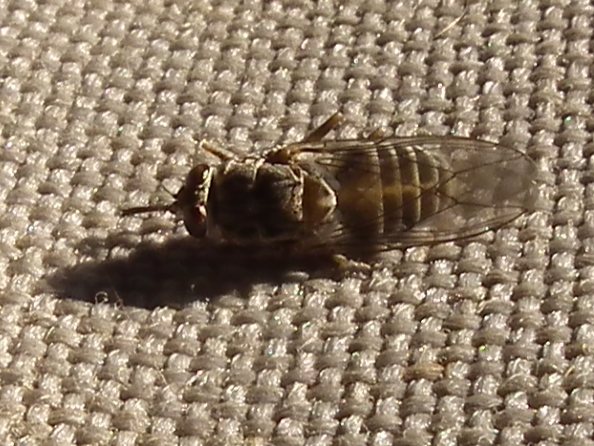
256,201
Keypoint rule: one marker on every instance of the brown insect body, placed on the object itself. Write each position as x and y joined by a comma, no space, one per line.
357,196
257,202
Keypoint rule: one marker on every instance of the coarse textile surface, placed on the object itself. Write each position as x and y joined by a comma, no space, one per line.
120,330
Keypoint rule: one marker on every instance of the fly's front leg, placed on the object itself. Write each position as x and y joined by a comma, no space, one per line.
220,153
286,154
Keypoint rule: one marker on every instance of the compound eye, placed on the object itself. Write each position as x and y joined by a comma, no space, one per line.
195,221
197,176
192,200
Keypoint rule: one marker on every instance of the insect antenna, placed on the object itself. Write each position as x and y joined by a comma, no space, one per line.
153,208
147,209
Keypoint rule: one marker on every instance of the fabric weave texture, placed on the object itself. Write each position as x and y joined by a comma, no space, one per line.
123,331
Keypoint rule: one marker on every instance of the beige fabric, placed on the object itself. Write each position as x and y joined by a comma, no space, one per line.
123,331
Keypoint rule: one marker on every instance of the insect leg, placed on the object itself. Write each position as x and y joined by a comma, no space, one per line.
285,155
221,154
324,129
376,135
344,264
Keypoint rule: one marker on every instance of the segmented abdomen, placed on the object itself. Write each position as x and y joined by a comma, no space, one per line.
385,190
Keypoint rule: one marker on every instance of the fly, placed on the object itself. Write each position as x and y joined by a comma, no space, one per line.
355,196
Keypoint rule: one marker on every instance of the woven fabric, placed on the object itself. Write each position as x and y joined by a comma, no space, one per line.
122,330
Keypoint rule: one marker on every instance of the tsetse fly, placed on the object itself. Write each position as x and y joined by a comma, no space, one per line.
355,196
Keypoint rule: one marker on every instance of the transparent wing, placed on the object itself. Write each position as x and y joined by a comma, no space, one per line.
481,186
